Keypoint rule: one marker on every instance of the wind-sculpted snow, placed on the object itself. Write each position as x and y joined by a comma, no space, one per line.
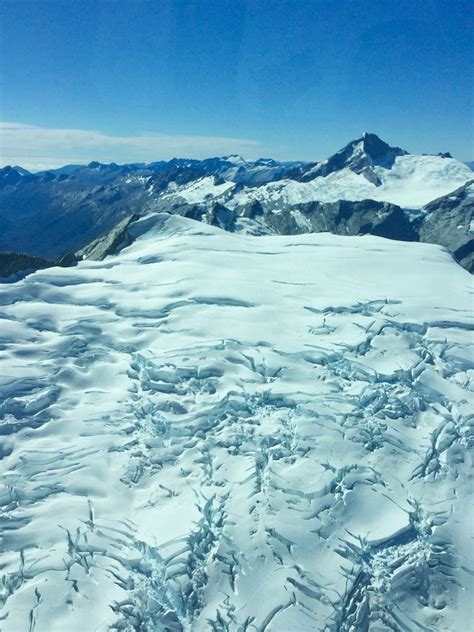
213,431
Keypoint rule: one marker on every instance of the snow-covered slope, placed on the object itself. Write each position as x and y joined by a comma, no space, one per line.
51,214
199,190
212,431
416,180
411,182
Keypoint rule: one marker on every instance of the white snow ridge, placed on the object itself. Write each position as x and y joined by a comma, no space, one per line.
214,431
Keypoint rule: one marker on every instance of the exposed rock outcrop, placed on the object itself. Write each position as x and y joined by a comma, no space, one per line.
109,243
449,221
15,265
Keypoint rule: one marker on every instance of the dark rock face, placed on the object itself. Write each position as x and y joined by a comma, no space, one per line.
15,265
345,218
193,212
449,221
395,225
11,176
252,210
371,176
221,216
110,243
465,255
359,155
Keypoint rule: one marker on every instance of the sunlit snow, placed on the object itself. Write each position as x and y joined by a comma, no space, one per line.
213,431
411,182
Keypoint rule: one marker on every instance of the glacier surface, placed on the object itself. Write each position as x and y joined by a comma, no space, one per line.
215,431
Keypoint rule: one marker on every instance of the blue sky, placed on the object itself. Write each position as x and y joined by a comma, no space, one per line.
140,80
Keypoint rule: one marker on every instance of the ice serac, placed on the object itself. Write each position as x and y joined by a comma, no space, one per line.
187,445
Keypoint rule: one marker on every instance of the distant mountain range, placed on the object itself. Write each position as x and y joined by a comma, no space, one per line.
211,421
366,187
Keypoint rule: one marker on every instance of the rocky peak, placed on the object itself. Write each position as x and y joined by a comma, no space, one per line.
378,150
14,175
360,156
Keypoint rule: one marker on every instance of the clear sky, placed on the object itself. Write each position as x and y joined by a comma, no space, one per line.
144,80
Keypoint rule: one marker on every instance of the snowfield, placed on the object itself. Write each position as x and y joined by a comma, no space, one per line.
214,431
411,182
198,190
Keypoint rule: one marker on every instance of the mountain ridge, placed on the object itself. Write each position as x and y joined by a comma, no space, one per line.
51,214
373,146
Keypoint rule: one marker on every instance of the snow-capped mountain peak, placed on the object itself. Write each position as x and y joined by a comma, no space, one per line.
360,156
378,150
21,170
235,159
46,205
13,175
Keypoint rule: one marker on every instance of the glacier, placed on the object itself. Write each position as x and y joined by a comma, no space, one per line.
411,182
218,431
